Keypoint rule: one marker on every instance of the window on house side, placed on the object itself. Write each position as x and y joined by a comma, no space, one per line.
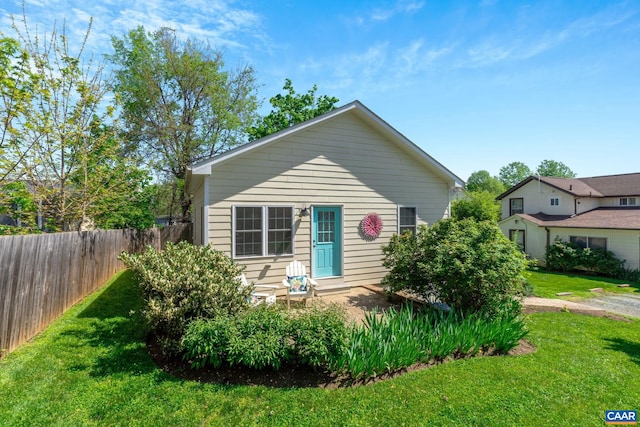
555,201
598,243
407,220
279,236
517,236
589,242
263,230
516,206
627,201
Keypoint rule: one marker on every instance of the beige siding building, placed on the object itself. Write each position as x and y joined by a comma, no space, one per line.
303,192
596,212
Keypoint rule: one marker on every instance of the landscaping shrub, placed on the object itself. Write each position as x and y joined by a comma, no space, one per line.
399,338
561,256
259,338
268,336
319,334
185,282
567,256
471,265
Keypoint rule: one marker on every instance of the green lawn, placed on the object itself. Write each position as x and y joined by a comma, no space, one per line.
546,284
91,368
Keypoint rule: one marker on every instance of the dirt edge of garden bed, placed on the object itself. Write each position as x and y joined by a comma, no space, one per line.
289,376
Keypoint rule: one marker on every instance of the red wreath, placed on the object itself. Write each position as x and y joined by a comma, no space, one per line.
371,225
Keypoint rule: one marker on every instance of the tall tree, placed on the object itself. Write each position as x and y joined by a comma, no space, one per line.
513,173
290,109
179,105
554,168
483,181
479,205
17,85
67,142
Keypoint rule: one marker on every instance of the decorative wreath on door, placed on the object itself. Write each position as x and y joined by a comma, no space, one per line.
371,225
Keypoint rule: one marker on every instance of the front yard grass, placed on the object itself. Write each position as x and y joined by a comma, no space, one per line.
91,367
547,284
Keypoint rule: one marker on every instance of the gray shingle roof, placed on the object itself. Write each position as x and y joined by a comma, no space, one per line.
608,218
595,186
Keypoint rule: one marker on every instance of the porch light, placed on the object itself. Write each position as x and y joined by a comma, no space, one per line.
304,211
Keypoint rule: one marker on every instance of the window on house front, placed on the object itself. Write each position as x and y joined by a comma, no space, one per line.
555,201
589,242
517,237
263,230
516,206
627,201
407,220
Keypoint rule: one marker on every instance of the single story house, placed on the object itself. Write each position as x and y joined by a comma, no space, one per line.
302,193
596,212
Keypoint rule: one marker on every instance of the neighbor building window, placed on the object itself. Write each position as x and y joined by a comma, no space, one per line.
516,206
627,201
555,201
263,230
589,242
517,237
407,220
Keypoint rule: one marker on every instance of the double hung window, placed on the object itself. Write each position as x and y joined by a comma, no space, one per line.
262,230
407,220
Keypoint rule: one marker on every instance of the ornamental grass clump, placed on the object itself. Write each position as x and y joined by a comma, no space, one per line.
183,283
397,339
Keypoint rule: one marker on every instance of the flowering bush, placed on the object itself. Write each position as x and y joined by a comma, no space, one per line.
183,283
371,225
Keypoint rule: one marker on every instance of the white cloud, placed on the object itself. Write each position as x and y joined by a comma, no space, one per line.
402,6
525,43
216,21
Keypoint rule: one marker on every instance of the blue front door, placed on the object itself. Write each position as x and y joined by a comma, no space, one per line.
327,241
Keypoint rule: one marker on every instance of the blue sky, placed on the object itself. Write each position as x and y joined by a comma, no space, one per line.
476,84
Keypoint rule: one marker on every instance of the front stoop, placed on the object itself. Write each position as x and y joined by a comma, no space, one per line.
333,289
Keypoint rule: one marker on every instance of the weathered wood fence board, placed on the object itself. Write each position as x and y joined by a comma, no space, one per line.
43,275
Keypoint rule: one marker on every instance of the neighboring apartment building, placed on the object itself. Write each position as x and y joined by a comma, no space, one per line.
596,212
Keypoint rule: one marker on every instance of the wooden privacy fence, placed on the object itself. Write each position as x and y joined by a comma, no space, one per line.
43,275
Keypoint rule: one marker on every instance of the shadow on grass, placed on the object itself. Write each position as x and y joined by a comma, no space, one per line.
631,348
110,336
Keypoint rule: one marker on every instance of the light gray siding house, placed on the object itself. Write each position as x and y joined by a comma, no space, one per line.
597,212
302,193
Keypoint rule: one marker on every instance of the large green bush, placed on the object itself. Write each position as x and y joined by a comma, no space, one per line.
472,265
268,336
480,205
567,256
183,283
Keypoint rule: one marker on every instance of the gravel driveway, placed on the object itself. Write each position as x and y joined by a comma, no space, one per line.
627,305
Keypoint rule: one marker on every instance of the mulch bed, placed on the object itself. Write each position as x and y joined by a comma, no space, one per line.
288,376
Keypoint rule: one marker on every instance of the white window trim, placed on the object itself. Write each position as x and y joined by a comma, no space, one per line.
557,199
265,231
398,216
627,201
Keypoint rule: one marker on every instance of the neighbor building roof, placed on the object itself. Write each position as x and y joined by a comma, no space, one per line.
622,218
595,186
